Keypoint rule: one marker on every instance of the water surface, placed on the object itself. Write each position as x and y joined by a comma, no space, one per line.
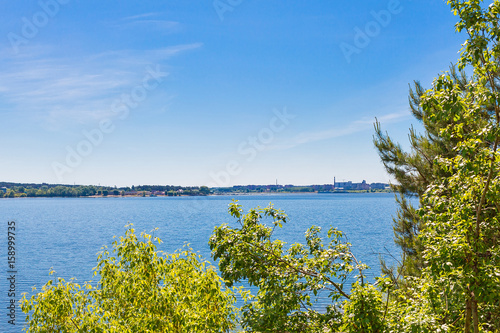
67,233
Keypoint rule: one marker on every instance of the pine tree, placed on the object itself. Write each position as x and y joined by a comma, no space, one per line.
413,172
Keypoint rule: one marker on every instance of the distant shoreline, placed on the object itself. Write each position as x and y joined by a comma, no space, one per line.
15,190
198,196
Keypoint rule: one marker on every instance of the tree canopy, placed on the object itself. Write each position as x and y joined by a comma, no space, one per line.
139,290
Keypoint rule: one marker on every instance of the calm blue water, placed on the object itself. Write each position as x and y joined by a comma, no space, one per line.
66,234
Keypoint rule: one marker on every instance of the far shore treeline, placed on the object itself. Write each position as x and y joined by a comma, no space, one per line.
16,190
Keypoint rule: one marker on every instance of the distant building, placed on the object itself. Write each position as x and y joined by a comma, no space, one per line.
343,185
363,186
379,186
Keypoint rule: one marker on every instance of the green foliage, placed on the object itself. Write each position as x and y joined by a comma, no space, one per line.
288,277
415,170
453,240
364,311
460,229
414,308
140,290
41,190
204,190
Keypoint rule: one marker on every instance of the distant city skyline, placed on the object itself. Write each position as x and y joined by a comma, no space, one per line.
211,93
4,183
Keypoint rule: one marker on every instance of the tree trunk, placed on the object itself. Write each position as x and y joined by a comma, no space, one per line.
468,315
475,316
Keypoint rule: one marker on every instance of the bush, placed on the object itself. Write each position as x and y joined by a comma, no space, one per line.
140,290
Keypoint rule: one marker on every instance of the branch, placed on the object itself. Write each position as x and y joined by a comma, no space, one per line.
389,291
298,270
360,270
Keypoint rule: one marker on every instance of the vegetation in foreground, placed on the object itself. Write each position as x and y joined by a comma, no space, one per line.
449,278
139,290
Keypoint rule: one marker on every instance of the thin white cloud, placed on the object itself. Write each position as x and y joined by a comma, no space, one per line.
141,16
354,127
62,91
161,25
154,21
143,56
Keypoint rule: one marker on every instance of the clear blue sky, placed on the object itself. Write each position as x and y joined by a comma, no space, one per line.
211,92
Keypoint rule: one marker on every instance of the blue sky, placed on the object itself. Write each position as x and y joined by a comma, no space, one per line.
209,92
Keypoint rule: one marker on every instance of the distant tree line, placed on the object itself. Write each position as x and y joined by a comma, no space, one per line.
12,190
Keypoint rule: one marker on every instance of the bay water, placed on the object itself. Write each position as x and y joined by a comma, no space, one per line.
65,234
